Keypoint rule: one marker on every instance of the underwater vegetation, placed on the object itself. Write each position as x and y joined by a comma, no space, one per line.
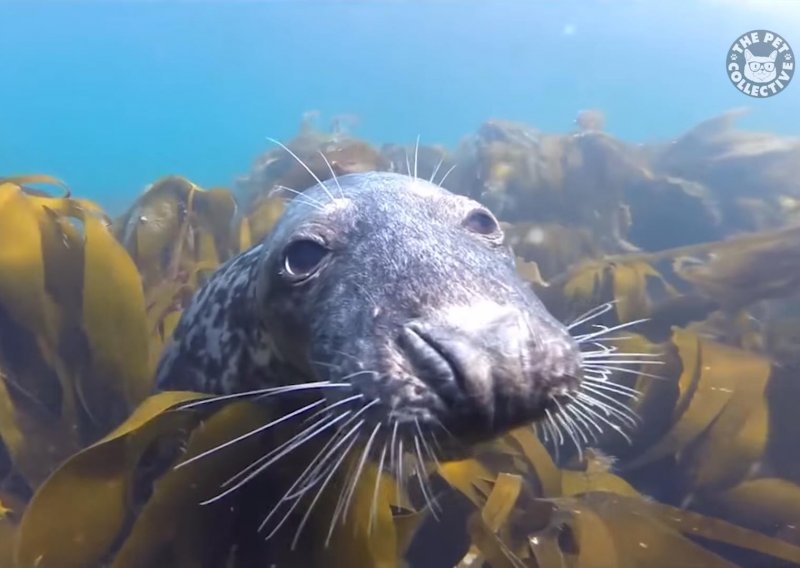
697,240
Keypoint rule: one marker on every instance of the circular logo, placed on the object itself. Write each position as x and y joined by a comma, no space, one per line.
760,63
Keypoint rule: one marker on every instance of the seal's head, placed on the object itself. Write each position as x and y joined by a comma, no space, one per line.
407,292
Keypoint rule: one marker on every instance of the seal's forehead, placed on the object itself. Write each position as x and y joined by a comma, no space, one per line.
373,196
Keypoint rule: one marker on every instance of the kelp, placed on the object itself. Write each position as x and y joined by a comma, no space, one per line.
176,225
177,233
511,511
324,154
84,315
73,353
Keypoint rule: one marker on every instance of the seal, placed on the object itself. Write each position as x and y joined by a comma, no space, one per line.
397,291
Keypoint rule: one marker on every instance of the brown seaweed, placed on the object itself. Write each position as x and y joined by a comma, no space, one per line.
579,211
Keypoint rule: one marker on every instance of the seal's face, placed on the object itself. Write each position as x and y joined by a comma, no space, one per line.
406,291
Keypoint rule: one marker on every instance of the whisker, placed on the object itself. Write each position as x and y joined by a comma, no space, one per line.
447,173
345,354
400,473
614,352
253,432
606,330
598,361
634,372
317,464
425,445
591,314
543,430
360,470
392,460
408,163
616,427
416,156
302,163
422,485
601,340
319,467
570,428
316,204
273,458
265,393
298,438
357,374
424,481
436,169
613,387
333,173
557,431
340,501
587,421
330,407
373,510
622,411
338,463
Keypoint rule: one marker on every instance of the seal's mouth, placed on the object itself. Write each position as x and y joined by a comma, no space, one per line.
489,373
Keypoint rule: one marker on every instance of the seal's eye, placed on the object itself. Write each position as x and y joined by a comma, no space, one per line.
302,258
482,222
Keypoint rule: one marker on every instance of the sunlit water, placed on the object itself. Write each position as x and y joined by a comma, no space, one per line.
112,96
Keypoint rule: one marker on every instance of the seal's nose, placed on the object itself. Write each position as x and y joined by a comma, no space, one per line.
498,364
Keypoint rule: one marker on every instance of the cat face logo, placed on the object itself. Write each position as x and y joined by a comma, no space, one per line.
760,63
760,69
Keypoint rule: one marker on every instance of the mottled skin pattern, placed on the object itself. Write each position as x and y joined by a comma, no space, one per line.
417,304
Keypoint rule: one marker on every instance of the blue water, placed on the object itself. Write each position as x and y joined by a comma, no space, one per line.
110,96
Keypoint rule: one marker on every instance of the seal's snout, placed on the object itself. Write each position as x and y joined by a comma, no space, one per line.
493,367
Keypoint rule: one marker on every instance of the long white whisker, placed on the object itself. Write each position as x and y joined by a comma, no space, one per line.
373,510
333,173
423,487
623,370
358,374
253,432
326,481
444,177
604,330
350,488
416,156
318,470
559,436
591,314
316,465
597,362
258,471
436,169
265,393
612,387
316,204
613,352
394,461
622,411
298,439
430,453
302,163
360,469
616,427
570,427
400,472
587,421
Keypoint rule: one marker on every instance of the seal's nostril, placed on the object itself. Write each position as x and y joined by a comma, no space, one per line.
430,360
